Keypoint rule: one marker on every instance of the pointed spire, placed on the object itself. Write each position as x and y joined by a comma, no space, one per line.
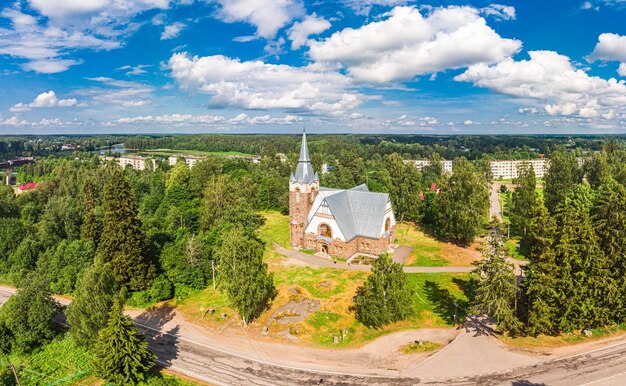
304,149
304,171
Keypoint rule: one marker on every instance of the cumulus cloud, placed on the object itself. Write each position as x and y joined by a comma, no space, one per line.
257,85
173,119
407,44
45,99
610,47
301,30
173,30
266,119
65,9
268,16
550,77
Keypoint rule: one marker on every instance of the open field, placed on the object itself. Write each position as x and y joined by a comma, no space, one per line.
430,252
275,229
169,152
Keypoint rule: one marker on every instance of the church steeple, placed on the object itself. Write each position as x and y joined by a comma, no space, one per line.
304,170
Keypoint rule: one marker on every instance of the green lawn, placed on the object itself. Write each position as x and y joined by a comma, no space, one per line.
275,229
169,152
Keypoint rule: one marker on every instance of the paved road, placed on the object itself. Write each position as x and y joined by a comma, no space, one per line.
217,366
494,201
315,261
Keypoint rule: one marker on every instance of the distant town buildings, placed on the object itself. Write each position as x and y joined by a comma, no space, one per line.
190,160
16,162
69,146
509,169
420,163
137,162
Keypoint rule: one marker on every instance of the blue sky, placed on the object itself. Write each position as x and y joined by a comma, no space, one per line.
369,66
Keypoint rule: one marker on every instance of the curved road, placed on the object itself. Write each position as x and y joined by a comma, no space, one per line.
219,366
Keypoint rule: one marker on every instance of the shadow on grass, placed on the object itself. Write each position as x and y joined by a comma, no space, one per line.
450,308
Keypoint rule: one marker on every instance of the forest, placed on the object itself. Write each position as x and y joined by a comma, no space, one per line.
110,237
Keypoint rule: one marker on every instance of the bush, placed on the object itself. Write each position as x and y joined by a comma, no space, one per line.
162,289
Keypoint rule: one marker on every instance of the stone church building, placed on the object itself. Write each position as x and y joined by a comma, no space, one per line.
337,222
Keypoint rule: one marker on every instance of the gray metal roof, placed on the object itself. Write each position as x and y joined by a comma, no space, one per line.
304,170
358,211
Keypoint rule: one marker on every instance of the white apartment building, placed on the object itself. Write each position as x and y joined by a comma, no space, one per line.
420,163
508,169
137,162
190,160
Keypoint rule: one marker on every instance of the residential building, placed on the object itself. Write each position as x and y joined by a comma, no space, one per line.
420,163
190,160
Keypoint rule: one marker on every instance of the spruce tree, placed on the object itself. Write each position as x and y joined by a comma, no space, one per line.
561,178
585,283
523,198
123,243
542,272
93,299
496,290
91,227
386,296
609,220
121,356
243,274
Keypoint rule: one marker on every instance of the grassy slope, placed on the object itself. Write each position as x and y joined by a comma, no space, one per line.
428,251
62,363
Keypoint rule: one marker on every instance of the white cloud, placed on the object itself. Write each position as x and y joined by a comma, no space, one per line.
499,11
64,9
300,31
406,44
528,110
268,16
134,70
257,85
363,7
118,93
550,77
468,122
266,119
14,121
586,5
173,30
173,119
45,99
610,47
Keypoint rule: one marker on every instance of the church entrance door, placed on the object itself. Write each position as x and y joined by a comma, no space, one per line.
325,248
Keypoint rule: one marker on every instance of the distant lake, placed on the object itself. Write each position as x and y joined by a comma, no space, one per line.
115,149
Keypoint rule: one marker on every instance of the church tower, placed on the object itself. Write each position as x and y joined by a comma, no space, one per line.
303,188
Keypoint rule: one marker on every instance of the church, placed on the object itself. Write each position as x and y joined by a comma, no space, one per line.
337,222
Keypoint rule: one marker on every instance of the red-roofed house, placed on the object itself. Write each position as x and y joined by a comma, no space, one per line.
26,187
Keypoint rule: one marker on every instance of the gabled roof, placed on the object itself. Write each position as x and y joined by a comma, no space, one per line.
304,170
27,186
357,211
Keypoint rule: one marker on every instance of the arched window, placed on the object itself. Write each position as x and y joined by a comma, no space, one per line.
297,196
312,195
387,224
326,231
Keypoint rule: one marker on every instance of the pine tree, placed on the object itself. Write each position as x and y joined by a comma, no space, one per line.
585,284
121,356
123,243
542,272
496,291
609,220
523,198
93,299
243,274
386,296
